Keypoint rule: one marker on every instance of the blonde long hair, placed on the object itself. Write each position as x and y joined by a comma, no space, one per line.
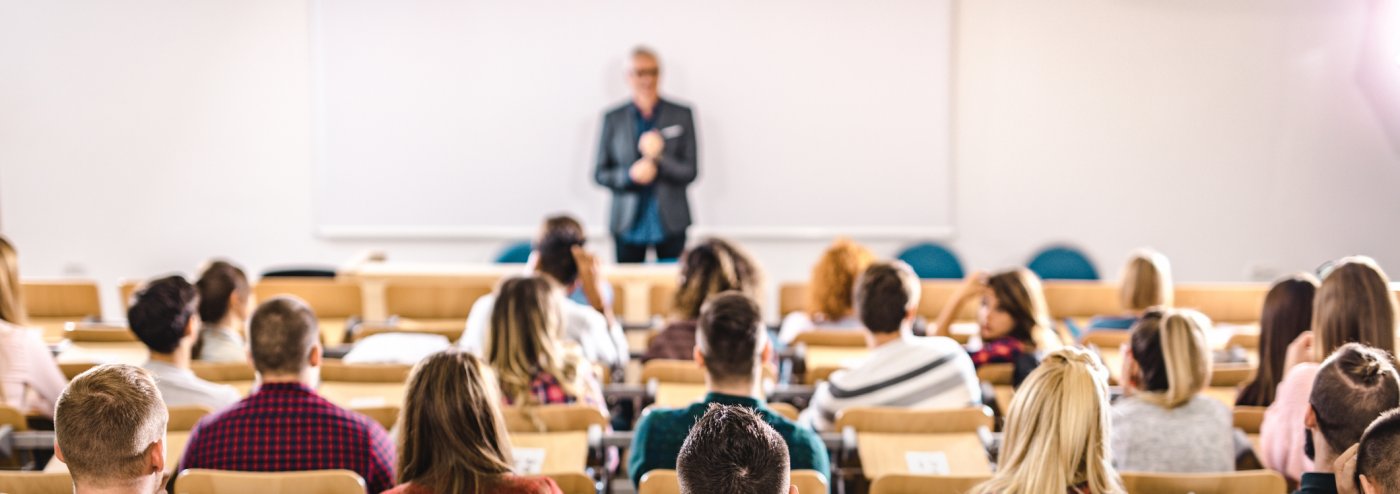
11,300
526,339
1147,281
1057,430
1172,355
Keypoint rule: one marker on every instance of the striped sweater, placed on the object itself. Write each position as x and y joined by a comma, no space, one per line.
911,372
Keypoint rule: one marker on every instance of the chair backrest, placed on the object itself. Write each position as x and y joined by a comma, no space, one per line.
1107,340
934,294
1062,262
386,415
329,297
792,297
1082,298
932,261
74,299
98,333
433,300
223,371
785,409
338,371
36,482
1248,419
902,483
832,337
184,417
125,290
1223,302
662,298
14,418
517,252
672,371
553,418
1251,481
1231,375
914,421
200,481
996,373
575,483
667,482
72,369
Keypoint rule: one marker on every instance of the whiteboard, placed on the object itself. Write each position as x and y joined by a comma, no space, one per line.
477,118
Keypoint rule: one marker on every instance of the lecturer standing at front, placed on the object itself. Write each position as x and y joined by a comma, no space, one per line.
647,157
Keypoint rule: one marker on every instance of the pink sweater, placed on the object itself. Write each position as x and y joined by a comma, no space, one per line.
29,377
1281,435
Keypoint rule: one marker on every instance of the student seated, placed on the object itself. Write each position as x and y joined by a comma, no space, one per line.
830,292
109,428
451,435
902,369
732,348
598,294
1354,303
1146,283
534,365
224,298
1057,429
1353,388
30,375
712,266
284,425
1288,309
558,256
1013,322
1377,472
162,315
733,449
1164,423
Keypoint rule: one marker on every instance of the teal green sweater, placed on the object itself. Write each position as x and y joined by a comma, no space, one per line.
660,434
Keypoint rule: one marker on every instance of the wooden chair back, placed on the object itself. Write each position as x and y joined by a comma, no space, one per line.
200,481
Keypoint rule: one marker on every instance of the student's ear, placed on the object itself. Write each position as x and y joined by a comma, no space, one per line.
1367,487
234,304
792,488
315,357
766,355
156,455
910,314
190,326
1310,419
58,452
699,357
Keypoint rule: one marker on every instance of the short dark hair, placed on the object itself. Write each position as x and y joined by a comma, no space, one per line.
218,282
884,294
1354,386
732,449
556,254
730,335
281,334
1380,446
161,312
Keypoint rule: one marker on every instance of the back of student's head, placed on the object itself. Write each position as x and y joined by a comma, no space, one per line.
1376,458
831,292
1147,281
106,422
162,311
222,287
1288,309
712,266
561,222
1057,430
885,294
1018,293
281,335
731,337
1172,356
1354,386
555,255
11,302
1354,304
525,334
451,435
731,449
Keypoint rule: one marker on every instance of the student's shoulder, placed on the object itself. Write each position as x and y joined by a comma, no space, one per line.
941,345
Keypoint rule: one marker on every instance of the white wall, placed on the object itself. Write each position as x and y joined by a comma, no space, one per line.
1241,137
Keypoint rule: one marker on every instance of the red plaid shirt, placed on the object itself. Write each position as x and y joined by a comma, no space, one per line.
998,351
288,427
547,390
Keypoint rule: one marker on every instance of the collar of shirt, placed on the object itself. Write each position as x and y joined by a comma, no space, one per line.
284,387
727,399
165,371
655,110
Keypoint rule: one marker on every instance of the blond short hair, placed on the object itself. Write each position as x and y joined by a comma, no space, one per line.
106,421
1147,281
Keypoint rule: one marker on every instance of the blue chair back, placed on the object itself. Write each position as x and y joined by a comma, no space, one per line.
932,261
1063,263
516,253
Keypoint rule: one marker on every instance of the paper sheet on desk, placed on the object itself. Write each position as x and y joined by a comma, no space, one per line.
528,461
927,462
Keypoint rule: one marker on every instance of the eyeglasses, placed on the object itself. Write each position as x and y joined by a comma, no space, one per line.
646,72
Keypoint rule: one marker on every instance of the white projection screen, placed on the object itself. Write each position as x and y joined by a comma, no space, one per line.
464,118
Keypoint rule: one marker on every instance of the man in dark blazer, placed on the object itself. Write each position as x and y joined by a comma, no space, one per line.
647,157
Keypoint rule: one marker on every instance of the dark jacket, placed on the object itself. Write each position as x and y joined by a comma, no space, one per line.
617,150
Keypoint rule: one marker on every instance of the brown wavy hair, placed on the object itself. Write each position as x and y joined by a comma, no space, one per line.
452,437
11,301
832,289
1353,304
712,266
1020,295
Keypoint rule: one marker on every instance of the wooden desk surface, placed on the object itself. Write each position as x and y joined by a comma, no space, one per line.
489,272
677,395
564,452
829,356
129,352
882,454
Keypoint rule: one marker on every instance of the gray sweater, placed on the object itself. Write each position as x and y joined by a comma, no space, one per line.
1195,437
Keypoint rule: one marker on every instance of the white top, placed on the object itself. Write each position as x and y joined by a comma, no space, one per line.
180,387
30,379
911,372
396,348
1196,437
798,322
221,345
598,342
